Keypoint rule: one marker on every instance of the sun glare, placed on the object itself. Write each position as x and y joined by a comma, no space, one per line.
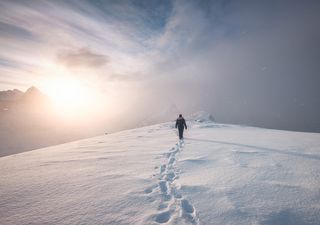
70,96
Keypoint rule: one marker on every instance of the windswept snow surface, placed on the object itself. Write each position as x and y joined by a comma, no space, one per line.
220,174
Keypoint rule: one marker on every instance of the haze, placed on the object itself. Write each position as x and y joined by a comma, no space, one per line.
247,62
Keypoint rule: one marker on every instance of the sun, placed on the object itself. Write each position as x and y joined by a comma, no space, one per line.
70,96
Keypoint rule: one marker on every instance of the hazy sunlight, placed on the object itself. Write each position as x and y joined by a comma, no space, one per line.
70,96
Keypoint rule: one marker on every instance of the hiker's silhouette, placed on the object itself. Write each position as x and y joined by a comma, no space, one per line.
181,124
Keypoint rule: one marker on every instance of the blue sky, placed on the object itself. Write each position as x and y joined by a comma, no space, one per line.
252,62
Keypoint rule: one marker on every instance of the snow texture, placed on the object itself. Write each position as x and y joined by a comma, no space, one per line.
220,174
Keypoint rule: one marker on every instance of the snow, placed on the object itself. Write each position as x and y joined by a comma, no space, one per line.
220,174
201,116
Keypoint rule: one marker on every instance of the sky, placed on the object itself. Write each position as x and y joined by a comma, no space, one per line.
246,62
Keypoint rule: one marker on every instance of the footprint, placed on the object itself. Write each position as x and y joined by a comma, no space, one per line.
163,187
172,154
186,206
163,206
188,212
168,190
176,193
163,217
162,168
171,176
171,160
190,218
166,197
150,189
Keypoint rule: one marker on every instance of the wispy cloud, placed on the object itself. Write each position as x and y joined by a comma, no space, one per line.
238,59
82,57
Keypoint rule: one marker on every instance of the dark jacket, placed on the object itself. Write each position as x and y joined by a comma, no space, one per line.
181,123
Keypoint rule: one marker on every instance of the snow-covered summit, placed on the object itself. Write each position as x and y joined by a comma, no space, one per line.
200,116
218,175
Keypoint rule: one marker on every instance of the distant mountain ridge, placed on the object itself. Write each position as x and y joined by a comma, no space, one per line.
32,99
29,120
10,95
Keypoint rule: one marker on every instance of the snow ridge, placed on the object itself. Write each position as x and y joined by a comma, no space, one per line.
173,206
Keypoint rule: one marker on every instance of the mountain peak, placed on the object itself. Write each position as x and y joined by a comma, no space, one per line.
34,94
32,90
201,116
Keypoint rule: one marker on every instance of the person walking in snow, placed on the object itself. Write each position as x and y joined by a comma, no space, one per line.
181,124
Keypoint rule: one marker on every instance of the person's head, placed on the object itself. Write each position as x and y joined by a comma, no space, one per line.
180,115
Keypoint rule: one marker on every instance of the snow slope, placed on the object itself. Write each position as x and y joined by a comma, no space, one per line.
220,174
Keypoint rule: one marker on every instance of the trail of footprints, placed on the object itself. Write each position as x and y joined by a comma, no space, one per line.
173,206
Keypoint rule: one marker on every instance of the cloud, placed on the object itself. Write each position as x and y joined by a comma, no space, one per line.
125,77
13,31
245,61
82,58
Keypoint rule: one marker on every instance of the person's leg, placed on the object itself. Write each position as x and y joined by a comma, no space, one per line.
180,133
